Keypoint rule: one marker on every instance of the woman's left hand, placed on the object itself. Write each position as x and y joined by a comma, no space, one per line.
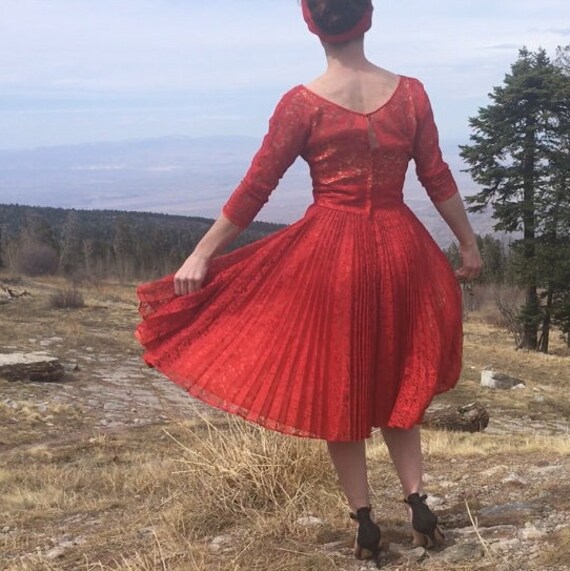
471,262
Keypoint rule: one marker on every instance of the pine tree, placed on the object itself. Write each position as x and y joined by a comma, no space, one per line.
519,156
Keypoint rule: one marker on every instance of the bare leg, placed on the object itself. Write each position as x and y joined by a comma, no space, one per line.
405,449
349,460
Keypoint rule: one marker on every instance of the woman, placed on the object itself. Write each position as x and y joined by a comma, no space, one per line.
349,318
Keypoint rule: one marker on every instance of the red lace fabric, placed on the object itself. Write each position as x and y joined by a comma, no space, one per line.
345,320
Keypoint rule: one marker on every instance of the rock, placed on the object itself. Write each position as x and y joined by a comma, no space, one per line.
309,520
71,367
50,341
416,554
220,542
514,478
411,554
472,417
508,544
494,470
496,380
435,501
498,532
333,546
531,532
55,552
462,552
37,367
505,513
543,470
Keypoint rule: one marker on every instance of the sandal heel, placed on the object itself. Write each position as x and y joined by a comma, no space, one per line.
426,530
368,540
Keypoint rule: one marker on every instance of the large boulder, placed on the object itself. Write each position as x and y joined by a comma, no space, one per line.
495,380
38,367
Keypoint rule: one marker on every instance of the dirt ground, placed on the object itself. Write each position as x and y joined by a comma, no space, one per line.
90,467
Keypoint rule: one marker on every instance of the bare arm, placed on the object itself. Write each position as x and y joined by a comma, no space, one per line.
222,233
193,272
453,212
288,129
435,175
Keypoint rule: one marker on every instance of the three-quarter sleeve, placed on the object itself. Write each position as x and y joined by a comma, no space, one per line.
432,171
284,142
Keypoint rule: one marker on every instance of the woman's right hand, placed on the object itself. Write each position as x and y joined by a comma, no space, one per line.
471,262
191,274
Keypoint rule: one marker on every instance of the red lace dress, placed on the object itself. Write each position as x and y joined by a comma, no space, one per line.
348,318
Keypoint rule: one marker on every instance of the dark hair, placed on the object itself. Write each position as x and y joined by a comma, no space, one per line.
337,16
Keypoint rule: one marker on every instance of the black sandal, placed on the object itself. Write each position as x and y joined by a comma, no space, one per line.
427,534
368,541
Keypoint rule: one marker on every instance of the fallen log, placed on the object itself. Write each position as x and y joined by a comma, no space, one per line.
9,293
469,418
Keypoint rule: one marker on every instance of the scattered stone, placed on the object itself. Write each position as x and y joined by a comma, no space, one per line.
514,478
309,520
543,470
494,470
220,542
498,532
414,554
71,367
496,380
531,532
6,529
333,546
50,341
55,552
36,367
505,513
461,552
435,501
508,544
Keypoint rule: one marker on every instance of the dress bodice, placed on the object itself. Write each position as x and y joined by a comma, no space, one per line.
358,161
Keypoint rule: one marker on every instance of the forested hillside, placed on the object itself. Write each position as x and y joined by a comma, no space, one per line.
102,243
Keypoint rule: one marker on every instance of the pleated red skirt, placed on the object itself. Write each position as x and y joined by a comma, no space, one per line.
327,328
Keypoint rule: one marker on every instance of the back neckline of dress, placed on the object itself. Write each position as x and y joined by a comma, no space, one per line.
362,114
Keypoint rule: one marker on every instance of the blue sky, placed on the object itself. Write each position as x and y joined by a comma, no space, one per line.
74,71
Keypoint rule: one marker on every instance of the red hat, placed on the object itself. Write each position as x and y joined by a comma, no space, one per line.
362,26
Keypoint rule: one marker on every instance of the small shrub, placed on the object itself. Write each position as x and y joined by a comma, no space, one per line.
500,306
68,298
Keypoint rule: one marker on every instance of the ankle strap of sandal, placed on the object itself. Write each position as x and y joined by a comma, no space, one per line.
361,513
415,499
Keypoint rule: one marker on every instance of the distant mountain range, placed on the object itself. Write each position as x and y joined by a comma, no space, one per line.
179,175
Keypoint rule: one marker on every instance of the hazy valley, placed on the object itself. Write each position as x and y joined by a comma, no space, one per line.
179,175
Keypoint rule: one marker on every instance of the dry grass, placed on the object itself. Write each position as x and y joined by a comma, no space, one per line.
152,498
